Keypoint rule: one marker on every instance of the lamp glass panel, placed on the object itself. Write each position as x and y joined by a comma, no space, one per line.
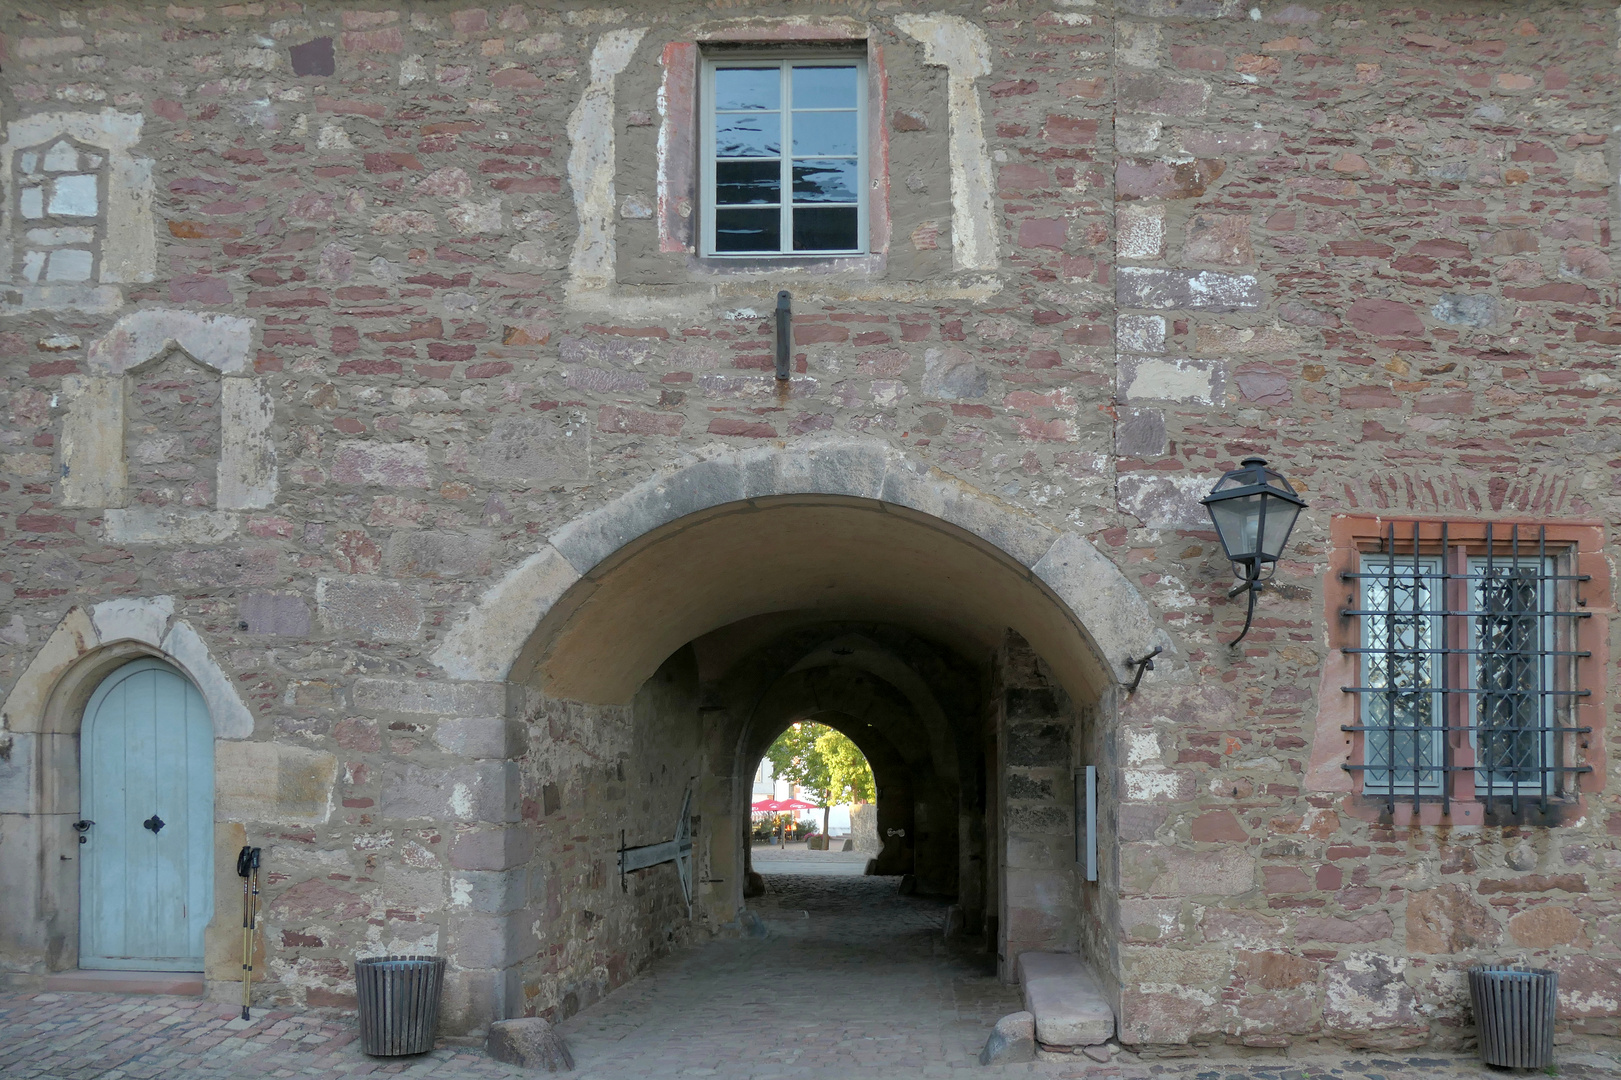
1280,518
1238,522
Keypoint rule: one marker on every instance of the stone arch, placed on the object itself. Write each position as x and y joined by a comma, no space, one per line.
94,470
1097,616
87,645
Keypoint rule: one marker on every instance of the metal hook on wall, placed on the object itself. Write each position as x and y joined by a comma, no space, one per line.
1142,664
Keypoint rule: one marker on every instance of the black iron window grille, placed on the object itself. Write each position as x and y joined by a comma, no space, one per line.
1468,665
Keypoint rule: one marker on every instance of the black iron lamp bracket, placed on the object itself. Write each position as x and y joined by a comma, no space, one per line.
1141,663
1252,586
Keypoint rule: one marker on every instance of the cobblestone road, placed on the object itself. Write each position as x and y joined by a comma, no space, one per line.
852,981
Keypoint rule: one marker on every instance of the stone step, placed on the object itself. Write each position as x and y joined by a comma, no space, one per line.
181,983
1065,1000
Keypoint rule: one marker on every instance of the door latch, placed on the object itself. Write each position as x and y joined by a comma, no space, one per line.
81,827
154,823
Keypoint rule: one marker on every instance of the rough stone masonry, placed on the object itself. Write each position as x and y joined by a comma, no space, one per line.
347,346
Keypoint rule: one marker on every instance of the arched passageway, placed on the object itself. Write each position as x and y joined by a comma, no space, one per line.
664,641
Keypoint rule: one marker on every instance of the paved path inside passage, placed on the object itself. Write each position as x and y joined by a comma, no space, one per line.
851,982
798,859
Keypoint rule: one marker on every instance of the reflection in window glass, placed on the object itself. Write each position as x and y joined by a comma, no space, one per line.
789,128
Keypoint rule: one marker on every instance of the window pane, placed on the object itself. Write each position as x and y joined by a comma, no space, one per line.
1404,717
825,181
748,230
832,134
748,88
748,134
1508,709
747,182
824,87
825,229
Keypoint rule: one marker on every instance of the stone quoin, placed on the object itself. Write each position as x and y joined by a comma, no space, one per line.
403,378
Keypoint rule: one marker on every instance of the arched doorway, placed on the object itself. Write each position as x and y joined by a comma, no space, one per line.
645,642
146,886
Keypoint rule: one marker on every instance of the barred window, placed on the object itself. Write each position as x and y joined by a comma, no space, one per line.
1468,667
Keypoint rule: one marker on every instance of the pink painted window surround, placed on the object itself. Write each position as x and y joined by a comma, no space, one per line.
679,189
1342,749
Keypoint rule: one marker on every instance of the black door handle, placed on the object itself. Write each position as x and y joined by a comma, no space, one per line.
154,823
82,825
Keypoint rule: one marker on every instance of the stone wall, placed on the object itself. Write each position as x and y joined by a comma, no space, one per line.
421,269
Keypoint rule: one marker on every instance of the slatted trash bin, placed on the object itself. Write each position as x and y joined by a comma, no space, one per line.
399,1003
1514,1010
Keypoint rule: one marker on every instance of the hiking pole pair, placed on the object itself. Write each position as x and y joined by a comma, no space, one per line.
247,865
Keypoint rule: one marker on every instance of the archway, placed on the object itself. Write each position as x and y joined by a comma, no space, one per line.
667,636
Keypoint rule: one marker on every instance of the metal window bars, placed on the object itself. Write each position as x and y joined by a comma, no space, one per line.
1482,642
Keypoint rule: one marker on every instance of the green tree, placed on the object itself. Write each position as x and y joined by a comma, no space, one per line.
849,777
824,763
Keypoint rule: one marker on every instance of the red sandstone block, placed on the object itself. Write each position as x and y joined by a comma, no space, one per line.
1563,292
1219,826
1198,57
1022,178
1284,879
488,370
205,289
289,298
349,108
518,78
1368,397
1043,232
369,367
1013,88
815,333
453,354
1384,317
722,425
1070,130
40,523
426,328
638,422
470,21
387,40
389,163
1043,430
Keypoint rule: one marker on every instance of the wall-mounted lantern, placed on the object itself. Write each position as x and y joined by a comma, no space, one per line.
1254,509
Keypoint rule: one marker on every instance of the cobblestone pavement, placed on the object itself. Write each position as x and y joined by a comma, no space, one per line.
851,980
111,1037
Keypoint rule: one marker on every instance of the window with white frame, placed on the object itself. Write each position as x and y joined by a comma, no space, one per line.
1467,677
784,155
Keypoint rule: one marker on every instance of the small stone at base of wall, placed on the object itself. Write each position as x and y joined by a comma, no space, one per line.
1012,1040
530,1042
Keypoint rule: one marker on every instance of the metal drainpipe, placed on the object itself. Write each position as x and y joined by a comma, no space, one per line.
785,326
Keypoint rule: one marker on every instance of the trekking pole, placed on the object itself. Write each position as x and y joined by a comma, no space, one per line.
247,865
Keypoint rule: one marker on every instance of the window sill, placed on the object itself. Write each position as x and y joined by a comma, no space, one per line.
865,266
1562,810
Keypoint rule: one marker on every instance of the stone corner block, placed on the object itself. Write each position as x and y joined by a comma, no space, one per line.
274,782
1012,1040
485,642
1064,999
529,1042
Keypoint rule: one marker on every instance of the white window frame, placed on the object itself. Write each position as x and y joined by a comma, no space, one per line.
785,60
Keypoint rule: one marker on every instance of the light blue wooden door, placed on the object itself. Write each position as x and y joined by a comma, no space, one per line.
146,871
